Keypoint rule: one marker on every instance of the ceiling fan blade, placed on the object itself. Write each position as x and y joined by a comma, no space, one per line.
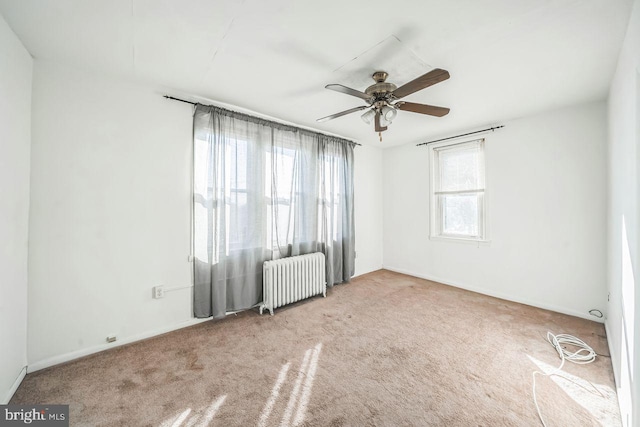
349,91
432,77
341,113
431,110
378,127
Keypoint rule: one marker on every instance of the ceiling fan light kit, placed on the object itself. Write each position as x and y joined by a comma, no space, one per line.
368,116
389,113
382,99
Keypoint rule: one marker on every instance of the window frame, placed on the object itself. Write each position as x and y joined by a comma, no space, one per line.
436,221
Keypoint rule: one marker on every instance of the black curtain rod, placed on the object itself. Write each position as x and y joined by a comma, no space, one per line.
458,136
195,103
181,100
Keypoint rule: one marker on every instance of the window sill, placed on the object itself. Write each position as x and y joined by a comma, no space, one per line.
479,242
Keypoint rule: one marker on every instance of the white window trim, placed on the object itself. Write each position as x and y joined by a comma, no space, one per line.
433,216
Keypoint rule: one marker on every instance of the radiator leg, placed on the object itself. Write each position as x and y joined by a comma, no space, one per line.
324,292
271,311
261,308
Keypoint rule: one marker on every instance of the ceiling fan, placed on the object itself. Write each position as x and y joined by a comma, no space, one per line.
382,98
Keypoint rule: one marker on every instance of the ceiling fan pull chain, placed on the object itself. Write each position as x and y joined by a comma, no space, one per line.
380,135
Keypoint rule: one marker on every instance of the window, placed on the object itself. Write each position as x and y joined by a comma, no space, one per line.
295,191
263,190
457,191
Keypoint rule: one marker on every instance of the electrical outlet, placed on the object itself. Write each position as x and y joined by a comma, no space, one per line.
111,338
158,292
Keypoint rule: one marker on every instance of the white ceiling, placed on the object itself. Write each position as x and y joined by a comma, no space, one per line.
507,58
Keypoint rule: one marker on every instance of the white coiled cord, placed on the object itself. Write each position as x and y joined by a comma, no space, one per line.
583,355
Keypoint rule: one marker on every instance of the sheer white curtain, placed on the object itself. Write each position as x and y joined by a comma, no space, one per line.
263,190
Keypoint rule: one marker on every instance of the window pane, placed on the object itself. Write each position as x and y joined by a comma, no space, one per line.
460,214
239,232
284,173
460,168
283,223
237,162
282,180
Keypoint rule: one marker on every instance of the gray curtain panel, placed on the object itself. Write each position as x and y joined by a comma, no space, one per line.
263,190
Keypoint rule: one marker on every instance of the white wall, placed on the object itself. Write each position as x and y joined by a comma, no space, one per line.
15,141
368,208
623,222
546,182
110,214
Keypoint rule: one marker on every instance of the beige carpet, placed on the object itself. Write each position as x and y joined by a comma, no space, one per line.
386,349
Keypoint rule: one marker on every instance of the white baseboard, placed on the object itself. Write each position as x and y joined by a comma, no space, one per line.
15,386
500,295
358,274
616,374
613,354
67,357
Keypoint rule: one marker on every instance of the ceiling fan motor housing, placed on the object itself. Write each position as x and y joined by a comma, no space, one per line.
380,89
